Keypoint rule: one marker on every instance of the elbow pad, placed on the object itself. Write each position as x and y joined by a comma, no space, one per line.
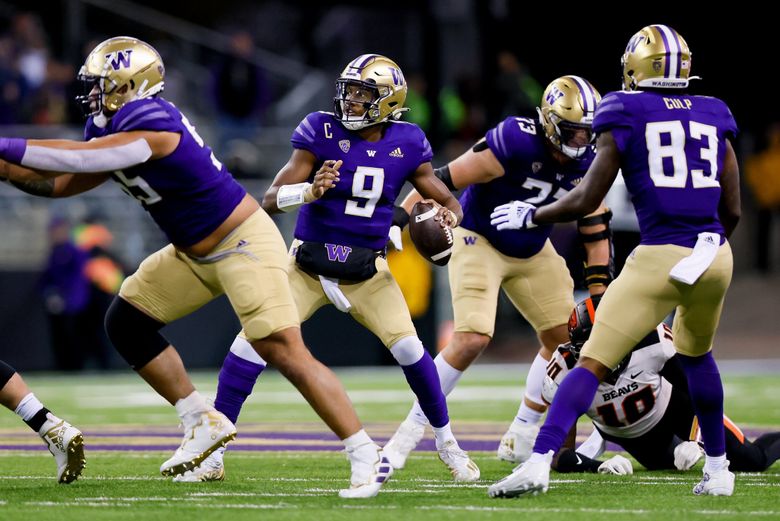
443,174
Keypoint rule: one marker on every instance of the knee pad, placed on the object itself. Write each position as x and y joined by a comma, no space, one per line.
6,372
407,351
135,334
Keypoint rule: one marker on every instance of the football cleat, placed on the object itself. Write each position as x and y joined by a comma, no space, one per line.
528,478
719,483
212,469
370,471
403,442
462,468
66,444
212,431
518,443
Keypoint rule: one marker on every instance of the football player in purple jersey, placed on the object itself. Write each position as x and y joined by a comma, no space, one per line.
537,162
221,242
345,172
644,406
679,165
64,441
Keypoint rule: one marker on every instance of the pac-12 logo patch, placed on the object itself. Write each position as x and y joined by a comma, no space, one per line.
344,145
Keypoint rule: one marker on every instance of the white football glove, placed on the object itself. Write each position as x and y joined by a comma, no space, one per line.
617,465
395,237
686,454
514,215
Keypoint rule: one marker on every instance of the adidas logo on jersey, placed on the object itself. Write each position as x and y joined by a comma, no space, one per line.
397,153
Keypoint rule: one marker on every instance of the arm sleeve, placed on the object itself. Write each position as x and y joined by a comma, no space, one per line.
87,161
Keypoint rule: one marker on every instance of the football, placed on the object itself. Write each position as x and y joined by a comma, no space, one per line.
431,240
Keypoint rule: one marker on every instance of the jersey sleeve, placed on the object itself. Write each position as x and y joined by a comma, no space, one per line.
612,116
305,134
730,128
426,152
510,137
150,114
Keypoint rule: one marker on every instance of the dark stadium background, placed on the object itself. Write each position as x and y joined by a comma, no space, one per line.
443,42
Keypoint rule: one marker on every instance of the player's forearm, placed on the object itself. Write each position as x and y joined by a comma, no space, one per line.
27,180
572,206
269,200
410,200
453,205
61,156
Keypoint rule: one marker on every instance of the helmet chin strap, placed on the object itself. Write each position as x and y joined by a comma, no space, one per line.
100,120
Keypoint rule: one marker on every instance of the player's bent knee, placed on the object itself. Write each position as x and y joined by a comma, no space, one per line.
479,323
134,334
407,351
469,345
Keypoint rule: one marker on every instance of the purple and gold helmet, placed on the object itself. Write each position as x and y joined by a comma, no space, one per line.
118,71
385,91
568,105
656,57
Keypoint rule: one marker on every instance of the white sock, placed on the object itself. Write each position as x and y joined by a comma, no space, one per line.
243,349
535,379
442,435
714,463
526,416
361,437
448,377
28,407
191,407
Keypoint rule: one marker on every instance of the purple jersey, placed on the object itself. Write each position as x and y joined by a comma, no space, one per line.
671,149
188,193
358,210
531,175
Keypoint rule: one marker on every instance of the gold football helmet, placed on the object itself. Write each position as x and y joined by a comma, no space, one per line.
566,114
656,57
117,71
374,83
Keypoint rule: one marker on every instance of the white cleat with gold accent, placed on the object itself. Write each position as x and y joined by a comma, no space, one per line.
212,469
211,431
66,444
462,468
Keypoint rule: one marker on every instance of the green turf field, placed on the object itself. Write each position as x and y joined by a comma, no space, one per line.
129,431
